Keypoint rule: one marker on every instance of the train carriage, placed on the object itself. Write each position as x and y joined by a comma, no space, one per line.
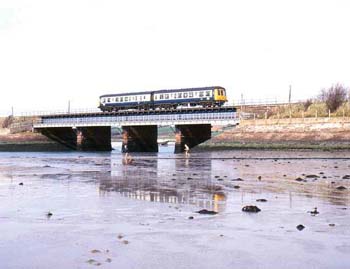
205,96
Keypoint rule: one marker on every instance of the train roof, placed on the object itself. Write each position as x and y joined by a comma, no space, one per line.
163,91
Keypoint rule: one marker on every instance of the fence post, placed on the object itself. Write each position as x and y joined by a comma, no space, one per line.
329,113
316,114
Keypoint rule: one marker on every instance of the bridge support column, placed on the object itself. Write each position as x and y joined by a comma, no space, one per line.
81,138
140,138
93,138
191,135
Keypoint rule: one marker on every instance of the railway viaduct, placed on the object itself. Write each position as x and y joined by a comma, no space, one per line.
92,131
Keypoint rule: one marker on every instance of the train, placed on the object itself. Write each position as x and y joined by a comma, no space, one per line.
214,96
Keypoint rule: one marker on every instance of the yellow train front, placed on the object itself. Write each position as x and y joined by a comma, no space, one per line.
169,99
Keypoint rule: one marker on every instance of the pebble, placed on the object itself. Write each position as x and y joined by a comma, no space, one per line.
190,217
251,209
21,184
341,188
207,212
300,227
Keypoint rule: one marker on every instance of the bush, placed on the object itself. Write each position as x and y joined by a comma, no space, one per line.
334,96
7,122
307,103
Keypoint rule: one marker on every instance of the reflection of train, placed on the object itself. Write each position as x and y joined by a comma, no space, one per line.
206,97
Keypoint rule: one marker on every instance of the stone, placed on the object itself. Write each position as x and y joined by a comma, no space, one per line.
207,212
346,177
236,187
300,227
251,209
341,188
259,177
314,212
299,179
311,176
261,200
21,184
237,179
190,217
49,214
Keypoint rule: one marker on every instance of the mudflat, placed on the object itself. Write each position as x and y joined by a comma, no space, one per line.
87,210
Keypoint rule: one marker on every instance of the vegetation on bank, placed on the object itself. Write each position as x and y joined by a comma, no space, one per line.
322,146
331,102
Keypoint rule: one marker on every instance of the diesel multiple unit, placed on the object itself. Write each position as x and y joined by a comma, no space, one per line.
206,97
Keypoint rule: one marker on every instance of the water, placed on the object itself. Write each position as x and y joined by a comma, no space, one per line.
108,214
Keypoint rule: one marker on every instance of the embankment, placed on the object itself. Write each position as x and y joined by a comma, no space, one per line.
297,133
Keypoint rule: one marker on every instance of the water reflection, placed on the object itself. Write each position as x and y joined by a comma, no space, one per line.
166,180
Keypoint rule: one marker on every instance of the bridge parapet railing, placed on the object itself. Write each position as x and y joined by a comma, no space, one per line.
139,118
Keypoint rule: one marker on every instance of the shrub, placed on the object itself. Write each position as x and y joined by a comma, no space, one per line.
334,96
7,122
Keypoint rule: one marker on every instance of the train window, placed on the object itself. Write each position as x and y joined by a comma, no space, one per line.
155,97
201,94
117,99
121,99
207,93
196,93
185,94
190,94
109,99
179,95
167,96
161,96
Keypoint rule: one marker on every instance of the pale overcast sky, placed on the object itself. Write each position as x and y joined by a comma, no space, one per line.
55,51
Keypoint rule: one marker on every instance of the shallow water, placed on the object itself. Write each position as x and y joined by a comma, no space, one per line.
108,214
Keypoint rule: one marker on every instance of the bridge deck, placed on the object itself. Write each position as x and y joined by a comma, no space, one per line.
214,116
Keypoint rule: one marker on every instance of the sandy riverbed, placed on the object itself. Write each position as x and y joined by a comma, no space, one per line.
108,215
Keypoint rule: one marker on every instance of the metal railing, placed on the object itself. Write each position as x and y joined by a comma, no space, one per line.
138,118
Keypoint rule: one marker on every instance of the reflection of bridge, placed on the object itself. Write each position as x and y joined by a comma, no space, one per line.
154,192
92,131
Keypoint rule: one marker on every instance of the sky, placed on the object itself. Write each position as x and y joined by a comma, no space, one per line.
55,52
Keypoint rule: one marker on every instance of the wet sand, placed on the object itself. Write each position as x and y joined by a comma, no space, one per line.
109,215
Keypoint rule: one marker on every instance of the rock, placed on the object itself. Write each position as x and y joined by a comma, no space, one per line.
237,179
120,236
314,212
95,251
311,176
236,187
21,184
299,179
108,260
125,242
207,212
335,166
190,217
261,200
284,175
321,173
331,224
189,178
346,177
300,227
219,179
217,176
259,177
49,214
341,188
251,209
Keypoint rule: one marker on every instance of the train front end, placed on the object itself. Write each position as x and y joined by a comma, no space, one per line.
220,96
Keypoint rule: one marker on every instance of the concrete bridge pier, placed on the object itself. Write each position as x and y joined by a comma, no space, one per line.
81,138
93,138
191,135
140,138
